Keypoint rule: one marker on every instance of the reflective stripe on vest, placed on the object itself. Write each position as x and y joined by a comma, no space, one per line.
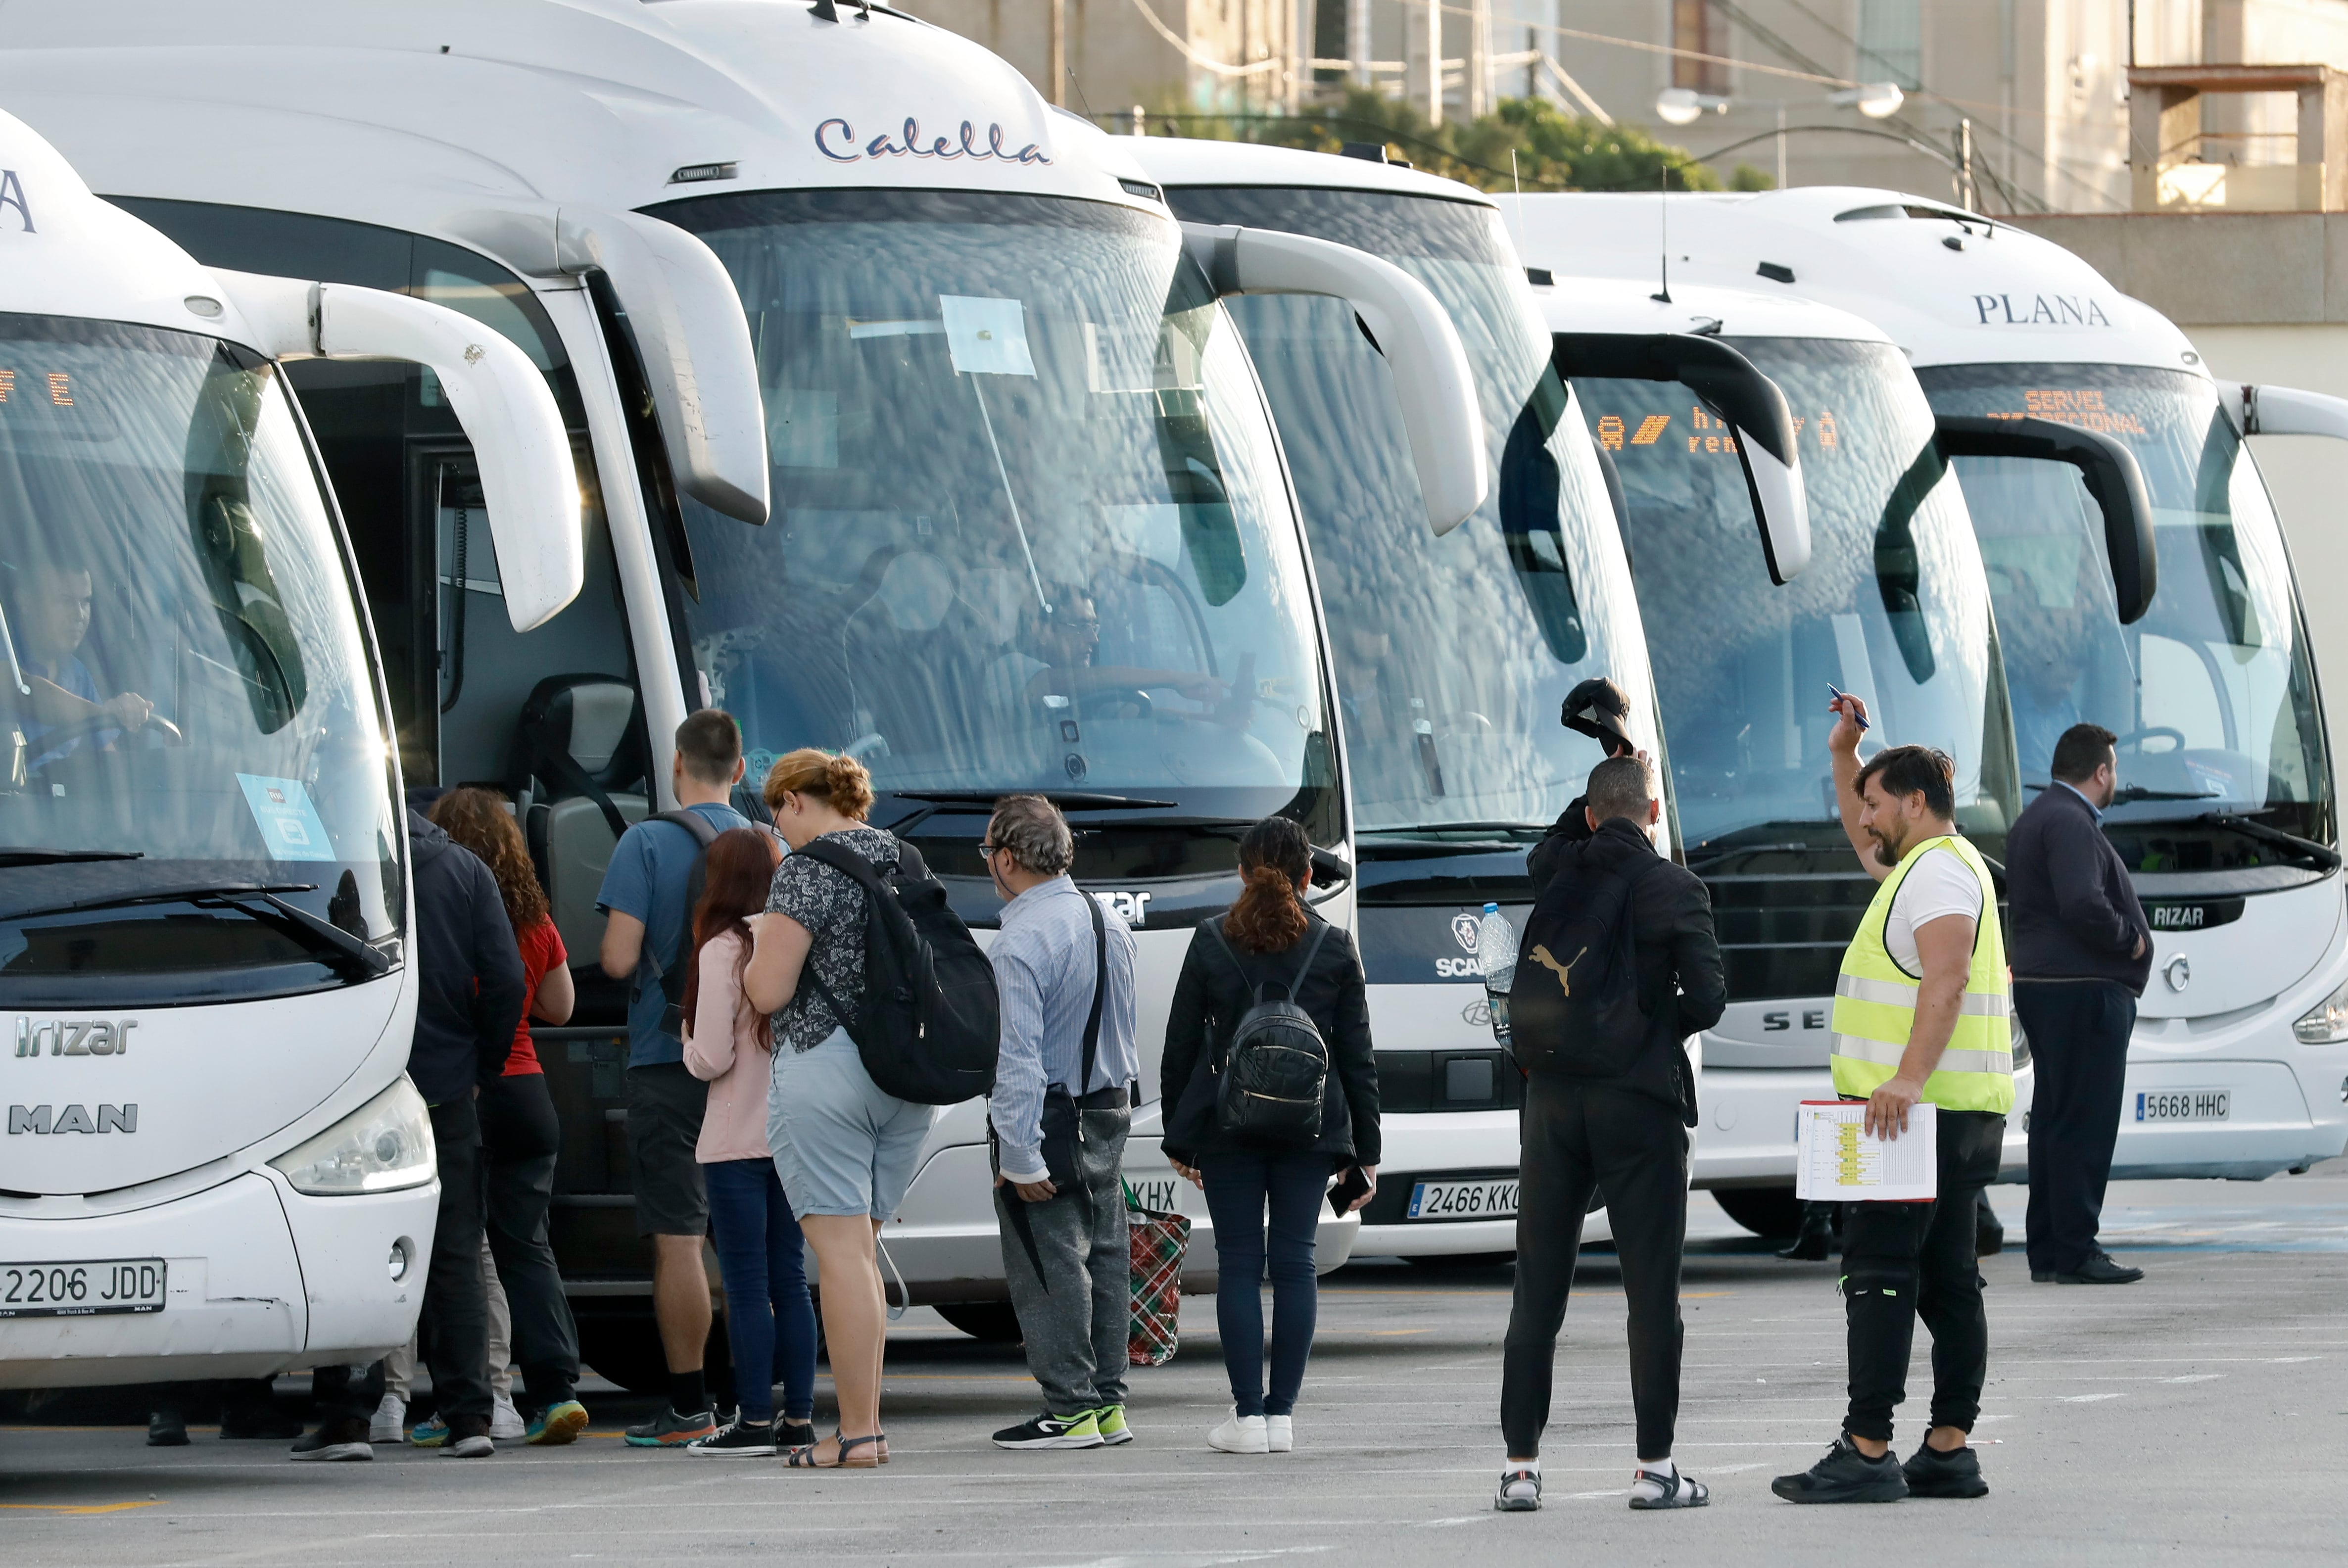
1875,1004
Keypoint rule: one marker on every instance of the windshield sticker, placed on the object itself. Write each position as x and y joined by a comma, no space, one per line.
288,822
987,336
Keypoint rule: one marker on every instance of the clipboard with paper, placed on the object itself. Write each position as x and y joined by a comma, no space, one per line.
1837,1160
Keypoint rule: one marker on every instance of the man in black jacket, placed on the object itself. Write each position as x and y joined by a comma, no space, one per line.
1626,1134
1595,708
470,987
2081,952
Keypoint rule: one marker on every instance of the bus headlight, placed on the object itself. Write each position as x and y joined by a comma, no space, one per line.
2326,1023
383,1146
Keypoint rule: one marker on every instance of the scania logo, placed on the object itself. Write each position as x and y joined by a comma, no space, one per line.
1462,929
73,1036
1132,907
39,1119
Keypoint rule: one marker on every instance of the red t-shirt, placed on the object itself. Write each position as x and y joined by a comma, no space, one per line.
541,950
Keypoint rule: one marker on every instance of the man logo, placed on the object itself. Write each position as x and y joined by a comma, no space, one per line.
37,1119
1463,928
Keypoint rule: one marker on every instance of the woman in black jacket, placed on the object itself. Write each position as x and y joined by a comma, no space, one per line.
1259,944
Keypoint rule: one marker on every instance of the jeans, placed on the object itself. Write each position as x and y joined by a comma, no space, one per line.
453,1334
1578,1137
2079,1033
1076,1314
1241,1184
1905,1260
520,1138
769,1317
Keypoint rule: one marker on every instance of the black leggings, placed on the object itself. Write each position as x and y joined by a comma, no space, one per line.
1580,1137
1905,1260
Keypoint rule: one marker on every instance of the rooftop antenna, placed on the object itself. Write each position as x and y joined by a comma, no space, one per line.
1663,253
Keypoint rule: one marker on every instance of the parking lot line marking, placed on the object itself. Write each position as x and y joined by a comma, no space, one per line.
81,1507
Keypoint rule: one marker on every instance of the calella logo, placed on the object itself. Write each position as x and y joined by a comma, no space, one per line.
837,139
2038,310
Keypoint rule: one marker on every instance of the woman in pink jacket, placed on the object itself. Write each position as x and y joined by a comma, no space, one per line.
769,1318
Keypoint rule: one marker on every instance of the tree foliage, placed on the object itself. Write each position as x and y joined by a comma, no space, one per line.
1554,150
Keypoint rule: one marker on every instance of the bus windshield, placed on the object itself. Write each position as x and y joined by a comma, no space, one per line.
1030,528
193,727
1892,607
1453,654
2211,693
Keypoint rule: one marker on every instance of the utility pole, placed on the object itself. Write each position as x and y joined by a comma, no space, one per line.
1966,196
1781,147
1434,13
1058,66
1476,91
1357,41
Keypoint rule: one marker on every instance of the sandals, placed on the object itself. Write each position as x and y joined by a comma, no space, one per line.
804,1458
1679,1490
1513,1497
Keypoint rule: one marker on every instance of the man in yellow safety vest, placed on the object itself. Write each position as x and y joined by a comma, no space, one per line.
1922,1013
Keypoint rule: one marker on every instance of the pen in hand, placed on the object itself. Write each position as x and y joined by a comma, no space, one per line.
1858,719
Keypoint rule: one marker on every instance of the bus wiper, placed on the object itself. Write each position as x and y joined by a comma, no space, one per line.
2326,857
937,800
2128,793
265,905
1741,851
22,855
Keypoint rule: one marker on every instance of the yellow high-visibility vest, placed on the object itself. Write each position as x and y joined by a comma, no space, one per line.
1875,1004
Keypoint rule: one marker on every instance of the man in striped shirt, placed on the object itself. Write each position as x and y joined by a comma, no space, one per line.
1059,1115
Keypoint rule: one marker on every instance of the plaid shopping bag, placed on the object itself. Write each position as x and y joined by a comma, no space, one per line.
1158,1240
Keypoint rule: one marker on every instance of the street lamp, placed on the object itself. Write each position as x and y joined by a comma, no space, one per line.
1875,100
1685,106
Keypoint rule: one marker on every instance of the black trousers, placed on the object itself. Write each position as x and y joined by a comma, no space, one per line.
2079,1033
453,1334
520,1138
341,1394
1576,1137
1905,1260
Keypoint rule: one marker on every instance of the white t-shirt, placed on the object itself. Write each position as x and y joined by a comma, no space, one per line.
1938,884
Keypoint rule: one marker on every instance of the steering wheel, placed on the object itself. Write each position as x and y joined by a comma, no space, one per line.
1096,703
2135,737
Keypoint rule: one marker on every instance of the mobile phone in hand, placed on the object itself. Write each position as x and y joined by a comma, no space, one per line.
1348,1191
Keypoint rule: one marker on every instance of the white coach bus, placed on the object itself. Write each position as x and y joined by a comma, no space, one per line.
214,1163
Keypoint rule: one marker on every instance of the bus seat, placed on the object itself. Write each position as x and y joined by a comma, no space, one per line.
578,779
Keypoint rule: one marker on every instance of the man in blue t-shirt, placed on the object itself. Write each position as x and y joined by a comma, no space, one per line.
644,903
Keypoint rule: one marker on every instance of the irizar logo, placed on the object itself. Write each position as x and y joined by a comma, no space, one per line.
73,1036
38,1119
2038,310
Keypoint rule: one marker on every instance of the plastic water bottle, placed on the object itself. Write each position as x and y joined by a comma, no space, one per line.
1495,953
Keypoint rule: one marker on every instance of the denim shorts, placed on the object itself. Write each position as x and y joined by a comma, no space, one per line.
840,1146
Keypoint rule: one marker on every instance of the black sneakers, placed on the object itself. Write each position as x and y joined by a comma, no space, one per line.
1931,1474
737,1439
2100,1269
1081,1430
166,1430
1845,1475
338,1440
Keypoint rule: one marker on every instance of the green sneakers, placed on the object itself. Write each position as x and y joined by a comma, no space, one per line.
1109,1420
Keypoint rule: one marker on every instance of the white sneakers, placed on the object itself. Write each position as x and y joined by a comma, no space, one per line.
1253,1434
1240,1435
390,1420
506,1424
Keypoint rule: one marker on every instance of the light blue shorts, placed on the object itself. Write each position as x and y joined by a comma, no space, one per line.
840,1146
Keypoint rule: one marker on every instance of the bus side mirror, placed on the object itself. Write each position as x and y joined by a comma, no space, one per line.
2285,411
2112,479
497,393
686,317
1432,380
1738,392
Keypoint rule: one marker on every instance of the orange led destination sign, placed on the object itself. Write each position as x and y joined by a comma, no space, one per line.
2082,406
58,384
1707,431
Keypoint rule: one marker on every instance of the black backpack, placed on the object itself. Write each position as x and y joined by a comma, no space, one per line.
697,882
1573,1007
1276,1070
930,1028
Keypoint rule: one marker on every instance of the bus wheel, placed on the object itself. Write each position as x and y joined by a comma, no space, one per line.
1770,1212
990,1320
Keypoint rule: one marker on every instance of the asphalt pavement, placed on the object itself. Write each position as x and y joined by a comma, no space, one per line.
2200,1415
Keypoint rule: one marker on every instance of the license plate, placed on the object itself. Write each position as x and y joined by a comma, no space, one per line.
81,1290
1463,1200
2184,1104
